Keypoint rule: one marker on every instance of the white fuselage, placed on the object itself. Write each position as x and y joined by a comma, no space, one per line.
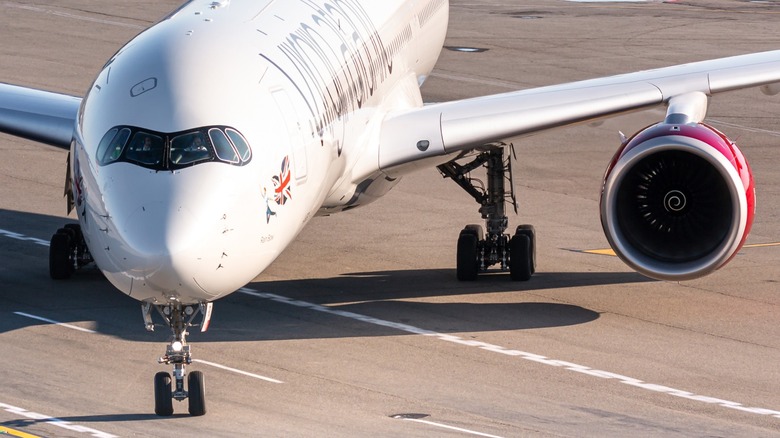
305,83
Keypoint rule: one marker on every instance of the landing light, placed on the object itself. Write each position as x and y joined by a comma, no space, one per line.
176,346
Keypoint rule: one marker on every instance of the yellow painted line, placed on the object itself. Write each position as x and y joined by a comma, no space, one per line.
762,245
610,252
12,432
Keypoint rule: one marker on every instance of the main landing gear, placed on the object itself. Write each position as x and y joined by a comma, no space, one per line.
67,252
477,250
178,317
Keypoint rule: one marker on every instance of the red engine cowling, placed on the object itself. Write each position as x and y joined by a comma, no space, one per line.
677,201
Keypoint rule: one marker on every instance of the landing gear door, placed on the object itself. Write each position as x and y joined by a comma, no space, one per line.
296,144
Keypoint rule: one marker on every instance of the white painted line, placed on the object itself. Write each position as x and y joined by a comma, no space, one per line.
73,16
245,373
17,236
395,325
22,237
51,321
520,354
55,421
454,339
482,81
744,127
444,426
215,365
614,1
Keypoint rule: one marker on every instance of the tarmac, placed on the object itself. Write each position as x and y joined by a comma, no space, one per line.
360,328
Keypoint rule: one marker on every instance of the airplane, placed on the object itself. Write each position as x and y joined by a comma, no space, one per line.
208,142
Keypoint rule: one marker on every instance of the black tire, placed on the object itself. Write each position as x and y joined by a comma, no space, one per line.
196,386
529,231
520,258
76,229
467,263
163,398
60,265
69,231
475,230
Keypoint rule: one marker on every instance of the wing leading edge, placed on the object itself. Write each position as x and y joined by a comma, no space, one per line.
38,115
415,137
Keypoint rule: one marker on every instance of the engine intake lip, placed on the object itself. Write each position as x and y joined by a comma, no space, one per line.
648,260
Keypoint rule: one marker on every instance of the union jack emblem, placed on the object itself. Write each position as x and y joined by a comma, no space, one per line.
282,183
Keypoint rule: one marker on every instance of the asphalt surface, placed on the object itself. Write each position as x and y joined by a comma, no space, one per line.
362,320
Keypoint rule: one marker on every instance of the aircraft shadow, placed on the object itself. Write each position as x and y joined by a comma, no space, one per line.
419,298
388,285
242,317
427,300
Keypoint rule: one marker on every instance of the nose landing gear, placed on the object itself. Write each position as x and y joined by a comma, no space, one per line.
166,387
478,251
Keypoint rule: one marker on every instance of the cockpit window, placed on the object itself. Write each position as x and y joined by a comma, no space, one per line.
104,143
146,149
190,148
161,151
240,143
222,146
112,144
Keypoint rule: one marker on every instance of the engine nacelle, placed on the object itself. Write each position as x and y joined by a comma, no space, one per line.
677,201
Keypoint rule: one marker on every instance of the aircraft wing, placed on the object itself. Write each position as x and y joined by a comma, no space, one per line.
412,138
38,115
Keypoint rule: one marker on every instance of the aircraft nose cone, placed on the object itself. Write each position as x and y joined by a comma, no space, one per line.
166,242
157,231
187,236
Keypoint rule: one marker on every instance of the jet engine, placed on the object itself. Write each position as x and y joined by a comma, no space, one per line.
677,201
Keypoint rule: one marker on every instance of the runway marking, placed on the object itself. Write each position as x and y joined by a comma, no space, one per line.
619,1
762,245
745,128
204,362
607,252
55,421
215,365
611,252
445,426
495,83
73,16
245,373
17,433
458,340
51,321
519,354
18,236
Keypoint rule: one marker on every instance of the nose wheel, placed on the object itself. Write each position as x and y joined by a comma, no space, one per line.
163,396
167,386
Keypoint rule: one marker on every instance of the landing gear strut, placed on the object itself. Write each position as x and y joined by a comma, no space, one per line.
166,389
67,252
478,251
